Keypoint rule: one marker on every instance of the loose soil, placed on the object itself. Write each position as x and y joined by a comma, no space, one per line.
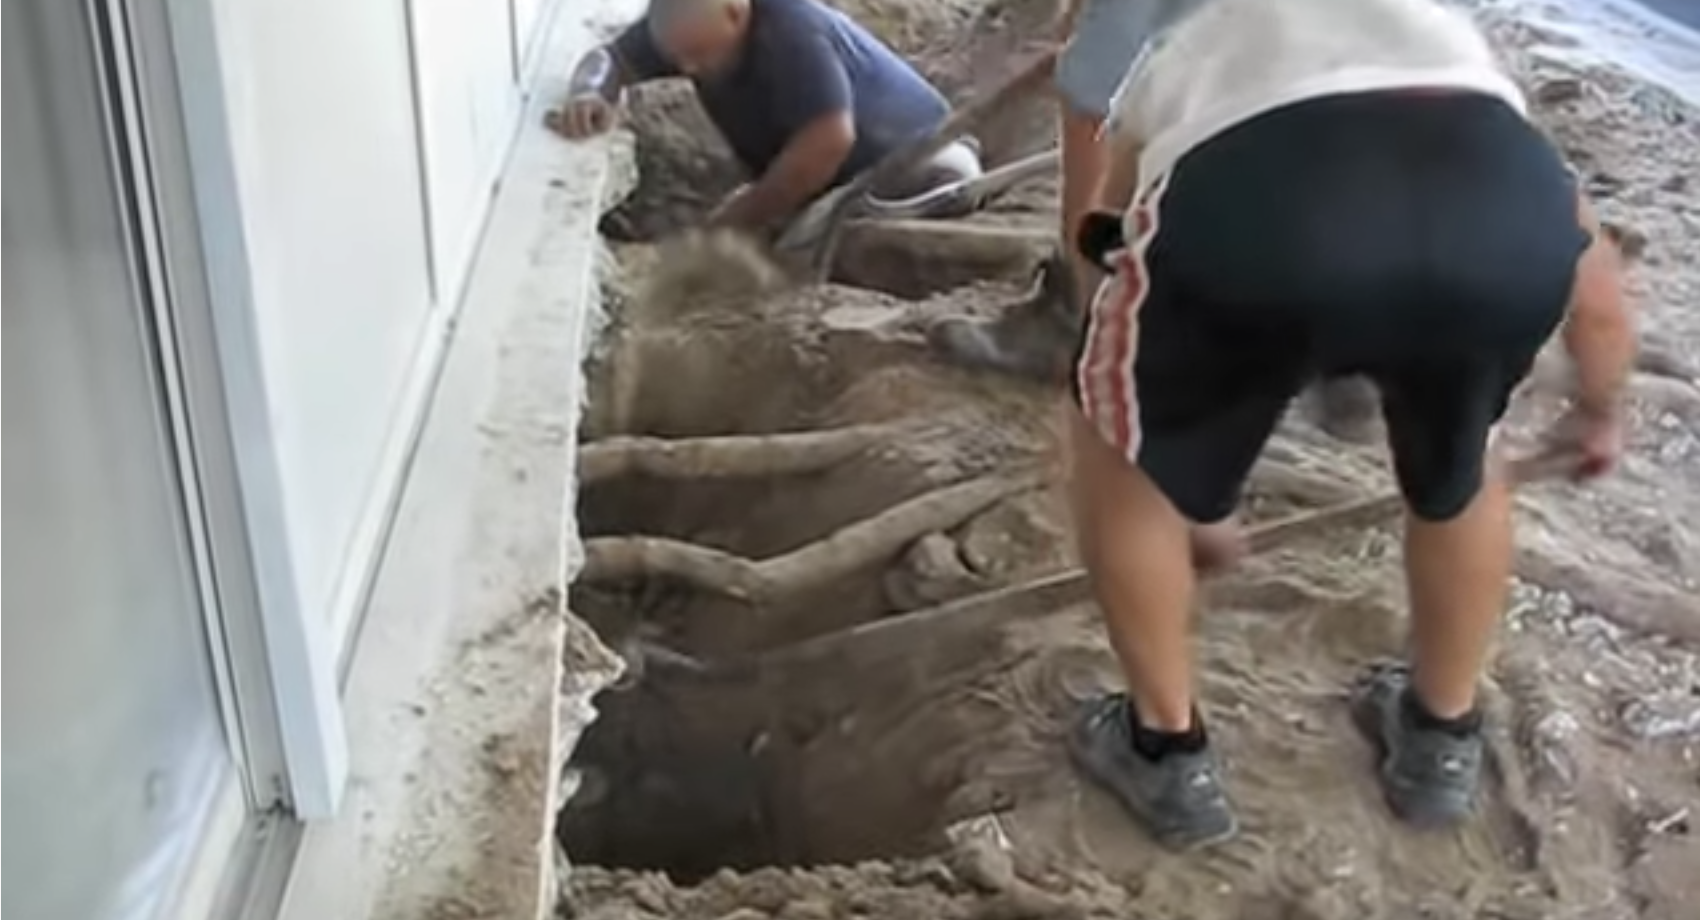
796,740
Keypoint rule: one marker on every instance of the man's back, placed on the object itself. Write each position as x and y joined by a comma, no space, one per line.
1233,59
802,60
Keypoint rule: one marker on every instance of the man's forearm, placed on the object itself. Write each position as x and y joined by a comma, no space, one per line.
1068,13
803,170
1121,174
1600,339
1599,331
769,200
597,73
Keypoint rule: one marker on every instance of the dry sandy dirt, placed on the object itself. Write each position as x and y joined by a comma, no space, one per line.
760,761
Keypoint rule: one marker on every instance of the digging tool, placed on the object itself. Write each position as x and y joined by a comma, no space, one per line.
814,234
975,614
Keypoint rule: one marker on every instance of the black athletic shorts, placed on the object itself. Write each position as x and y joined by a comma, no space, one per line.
1427,241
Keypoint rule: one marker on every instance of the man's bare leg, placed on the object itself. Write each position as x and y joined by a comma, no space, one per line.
1459,576
1425,719
1146,748
1136,551
1459,570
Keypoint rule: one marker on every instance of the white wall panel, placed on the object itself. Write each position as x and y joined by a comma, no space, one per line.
528,17
467,98
326,156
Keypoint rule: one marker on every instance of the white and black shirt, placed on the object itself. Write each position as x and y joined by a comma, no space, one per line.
1231,60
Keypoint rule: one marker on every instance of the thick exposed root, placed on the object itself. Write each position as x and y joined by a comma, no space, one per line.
915,258
1640,606
1661,357
839,554
874,642
729,457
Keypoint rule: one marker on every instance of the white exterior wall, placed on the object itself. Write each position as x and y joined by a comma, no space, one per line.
467,99
367,138
242,246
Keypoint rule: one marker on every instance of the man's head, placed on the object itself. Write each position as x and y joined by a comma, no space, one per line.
701,37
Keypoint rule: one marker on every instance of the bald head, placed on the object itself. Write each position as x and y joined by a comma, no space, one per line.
701,36
665,14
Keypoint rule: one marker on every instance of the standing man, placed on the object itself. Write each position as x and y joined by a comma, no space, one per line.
805,97
1314,188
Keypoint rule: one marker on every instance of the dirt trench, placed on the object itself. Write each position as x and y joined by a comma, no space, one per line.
834,478
779,492
760,480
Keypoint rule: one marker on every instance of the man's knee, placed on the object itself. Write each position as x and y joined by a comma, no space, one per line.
1217,547
1439,456
1440,430
1447,488
959,161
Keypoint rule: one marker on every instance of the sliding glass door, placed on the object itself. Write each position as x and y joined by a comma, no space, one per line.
115,748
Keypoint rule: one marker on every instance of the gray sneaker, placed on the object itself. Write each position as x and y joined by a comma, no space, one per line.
1428,776
1179,798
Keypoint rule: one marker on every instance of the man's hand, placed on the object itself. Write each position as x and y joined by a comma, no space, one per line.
584,115
1594,435
1062,28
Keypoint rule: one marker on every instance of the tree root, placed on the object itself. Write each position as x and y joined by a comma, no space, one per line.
834,556
1642,607
916,258
871,644
730,457
1659,356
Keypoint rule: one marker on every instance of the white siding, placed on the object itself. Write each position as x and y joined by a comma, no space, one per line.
463,58
323,138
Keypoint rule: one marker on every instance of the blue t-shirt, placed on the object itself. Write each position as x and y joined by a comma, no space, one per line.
801,60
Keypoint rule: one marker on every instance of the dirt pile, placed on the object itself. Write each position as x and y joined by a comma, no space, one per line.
774,488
